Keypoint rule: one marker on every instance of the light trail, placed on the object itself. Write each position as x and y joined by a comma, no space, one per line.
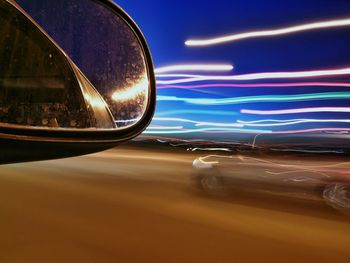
165,128
187,131
260,76
285,132
270,32
261,85
311,130
197,112
194,68
297,111
178,75
211,149
180,141
259,123
256,99
174,120
219,124
199,123
255,161
245,131
278,123
309,151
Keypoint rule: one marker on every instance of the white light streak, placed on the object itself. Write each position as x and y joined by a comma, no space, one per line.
194,68
179,76
258,123
297,111
257,85
261,98
199,123
211,149
269,33
278,123
165,127
188,131
197,112
264,75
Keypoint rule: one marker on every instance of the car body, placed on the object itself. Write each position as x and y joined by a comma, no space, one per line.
306,178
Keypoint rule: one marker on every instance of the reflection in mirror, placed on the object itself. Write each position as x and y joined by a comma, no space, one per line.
38,87
105,49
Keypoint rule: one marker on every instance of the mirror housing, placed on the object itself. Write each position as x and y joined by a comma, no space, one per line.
65,108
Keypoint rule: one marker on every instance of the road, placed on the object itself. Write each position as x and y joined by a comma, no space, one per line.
132,204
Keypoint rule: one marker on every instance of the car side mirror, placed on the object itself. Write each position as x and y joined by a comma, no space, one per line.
76,76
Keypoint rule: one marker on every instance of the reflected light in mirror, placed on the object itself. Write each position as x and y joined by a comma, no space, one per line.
132,92
95,102
105,48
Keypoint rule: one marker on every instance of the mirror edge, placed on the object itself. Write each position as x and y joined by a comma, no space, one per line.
103,136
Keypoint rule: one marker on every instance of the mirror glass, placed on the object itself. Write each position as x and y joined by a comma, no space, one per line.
104,48
38,86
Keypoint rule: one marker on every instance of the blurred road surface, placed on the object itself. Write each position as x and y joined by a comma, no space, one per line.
134,204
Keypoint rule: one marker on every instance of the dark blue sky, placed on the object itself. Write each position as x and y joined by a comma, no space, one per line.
167,24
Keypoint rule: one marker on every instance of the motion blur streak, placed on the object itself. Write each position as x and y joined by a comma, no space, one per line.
220,124
271,32
211,149
137,206
277,123
288,132
165,127
266,98
264,75
198,123
312,130
265,161
187,131
195,67
262,85
297,111
178,75
198,112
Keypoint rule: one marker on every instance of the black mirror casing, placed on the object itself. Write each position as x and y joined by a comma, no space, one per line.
29,143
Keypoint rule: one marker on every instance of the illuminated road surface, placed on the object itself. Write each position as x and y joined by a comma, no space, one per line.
136,205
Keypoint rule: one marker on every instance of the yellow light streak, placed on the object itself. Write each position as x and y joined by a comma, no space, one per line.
131,92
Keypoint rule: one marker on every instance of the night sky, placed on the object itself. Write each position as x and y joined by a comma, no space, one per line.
168,24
